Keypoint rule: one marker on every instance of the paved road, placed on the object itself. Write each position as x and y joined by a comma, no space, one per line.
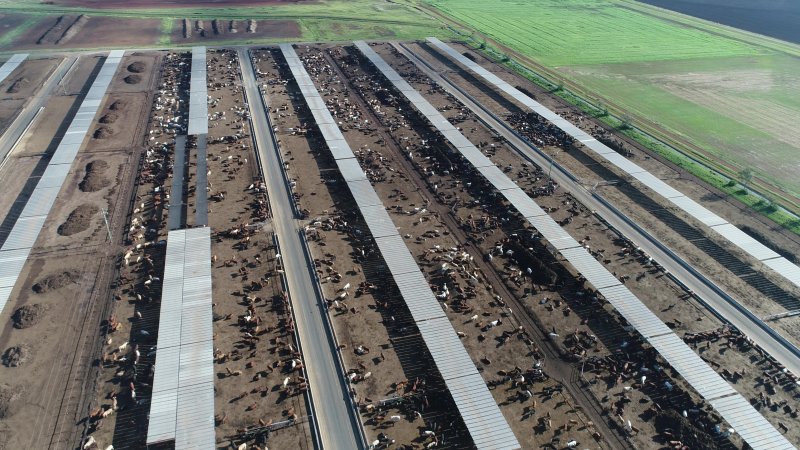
702,286
14,132
337,423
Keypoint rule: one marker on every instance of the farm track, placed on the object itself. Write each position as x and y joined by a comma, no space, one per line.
557,369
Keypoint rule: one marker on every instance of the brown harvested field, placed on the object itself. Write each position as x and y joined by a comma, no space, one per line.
265,29
10,21
96,32
111,4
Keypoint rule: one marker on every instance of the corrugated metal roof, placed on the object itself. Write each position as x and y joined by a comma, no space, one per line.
417,294
198,93
364,194
552,232
351,170
785,268
750,424
395,253
497,178
176,200
623,163
706,381
182,405
25,232
697,211
487,426
523,203
656,184
201,183
744,241
589,267
10,65
339,148
41,201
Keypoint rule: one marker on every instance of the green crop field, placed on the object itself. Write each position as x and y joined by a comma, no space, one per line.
730,97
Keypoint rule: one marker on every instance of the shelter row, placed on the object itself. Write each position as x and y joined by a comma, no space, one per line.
691,367
482,417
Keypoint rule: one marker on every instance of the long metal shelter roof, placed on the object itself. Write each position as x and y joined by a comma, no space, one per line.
176,200
198,93
182,405
754,248
26,229
691,367
482,417
11,64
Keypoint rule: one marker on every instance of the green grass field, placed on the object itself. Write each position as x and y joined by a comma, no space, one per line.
728,97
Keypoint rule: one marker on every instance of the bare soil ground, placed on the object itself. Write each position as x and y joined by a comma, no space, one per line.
96,32
51,339
264,29
23,84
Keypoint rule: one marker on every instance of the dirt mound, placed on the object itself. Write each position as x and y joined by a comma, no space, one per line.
133,79
79,220
73,29
117,105
28,315
95,179
109,118
55,281
137,67
8,401
18,85
16,356
102,133
54,32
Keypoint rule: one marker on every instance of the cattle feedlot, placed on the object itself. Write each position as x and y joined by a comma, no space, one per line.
367,240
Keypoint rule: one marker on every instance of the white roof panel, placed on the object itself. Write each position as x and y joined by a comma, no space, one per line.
744,241
497,178
589,267
396,255
656,184
350,169
785,268
523,203
697,211
378,221
364,194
